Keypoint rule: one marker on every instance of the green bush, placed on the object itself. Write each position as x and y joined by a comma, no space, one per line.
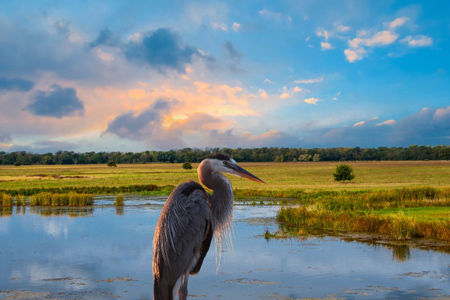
111,163
187,166
343,173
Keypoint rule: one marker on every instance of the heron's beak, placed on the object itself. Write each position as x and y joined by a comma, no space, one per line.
243,173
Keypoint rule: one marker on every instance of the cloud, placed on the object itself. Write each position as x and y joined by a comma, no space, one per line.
426,127
357,46
105,38
161,49
139,126
271,138
219,26
396,23
15,84
417,41
233,56
388,122
326,46
323,33
311,101
58,102
270,14
309,81
5,138
46,146
236,26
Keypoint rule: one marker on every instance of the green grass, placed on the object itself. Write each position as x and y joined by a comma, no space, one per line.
403,199
421,214
280,177
400,213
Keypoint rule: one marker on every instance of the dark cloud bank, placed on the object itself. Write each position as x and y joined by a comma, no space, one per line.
58,102
161,49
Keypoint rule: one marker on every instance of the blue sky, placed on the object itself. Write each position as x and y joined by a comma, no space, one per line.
158,75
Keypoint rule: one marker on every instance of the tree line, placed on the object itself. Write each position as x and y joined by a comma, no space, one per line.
274,154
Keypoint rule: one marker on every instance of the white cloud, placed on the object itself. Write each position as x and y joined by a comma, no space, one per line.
309,81
357,46
219,26
359,124
396,23
267,80
323,33
270,14
417,41
311,101
236,26
342,28
326,46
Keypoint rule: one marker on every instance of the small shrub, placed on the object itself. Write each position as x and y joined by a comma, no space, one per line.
119,200
187,166
111,163
343,173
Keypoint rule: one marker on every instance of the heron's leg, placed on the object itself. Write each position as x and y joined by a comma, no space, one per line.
183,291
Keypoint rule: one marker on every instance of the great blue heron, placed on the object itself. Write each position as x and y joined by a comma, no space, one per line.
187,223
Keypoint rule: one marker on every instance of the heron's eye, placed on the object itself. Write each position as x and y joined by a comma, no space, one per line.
225,163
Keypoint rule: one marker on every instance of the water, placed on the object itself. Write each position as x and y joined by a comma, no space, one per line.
106,253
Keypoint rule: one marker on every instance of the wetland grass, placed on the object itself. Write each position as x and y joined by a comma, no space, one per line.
119,200
56,199
366,212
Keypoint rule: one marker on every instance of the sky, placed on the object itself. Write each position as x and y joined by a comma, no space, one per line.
157,75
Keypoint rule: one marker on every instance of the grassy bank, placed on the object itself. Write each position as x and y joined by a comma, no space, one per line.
400,213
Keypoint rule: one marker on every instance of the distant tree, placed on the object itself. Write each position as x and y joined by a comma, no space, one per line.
187,166
279,158
111,163
17,164
343,173
316,157
305,157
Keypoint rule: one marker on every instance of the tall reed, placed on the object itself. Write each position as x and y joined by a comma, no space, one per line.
54,199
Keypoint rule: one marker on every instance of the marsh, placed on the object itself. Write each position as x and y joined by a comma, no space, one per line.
105,252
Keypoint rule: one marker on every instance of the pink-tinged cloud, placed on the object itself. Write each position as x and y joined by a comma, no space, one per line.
311,101
397,23
388,122
417,41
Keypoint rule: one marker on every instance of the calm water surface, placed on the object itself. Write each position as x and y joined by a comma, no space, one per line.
106,253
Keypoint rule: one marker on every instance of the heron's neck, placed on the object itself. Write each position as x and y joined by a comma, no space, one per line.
221,199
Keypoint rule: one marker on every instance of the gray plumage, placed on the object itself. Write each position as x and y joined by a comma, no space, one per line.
188,221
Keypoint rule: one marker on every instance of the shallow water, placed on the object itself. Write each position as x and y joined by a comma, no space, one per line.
105,253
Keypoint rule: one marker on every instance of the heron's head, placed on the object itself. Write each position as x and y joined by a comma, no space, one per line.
221,163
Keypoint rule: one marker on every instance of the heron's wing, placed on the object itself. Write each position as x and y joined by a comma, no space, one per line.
182,228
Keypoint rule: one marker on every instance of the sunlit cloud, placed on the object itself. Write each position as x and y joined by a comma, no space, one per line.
396,23
326,46
388,122
311,101
417,41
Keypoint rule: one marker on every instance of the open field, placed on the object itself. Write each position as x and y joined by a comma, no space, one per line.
309,177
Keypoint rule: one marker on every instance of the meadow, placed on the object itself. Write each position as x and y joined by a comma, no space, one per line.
403,199
308,177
